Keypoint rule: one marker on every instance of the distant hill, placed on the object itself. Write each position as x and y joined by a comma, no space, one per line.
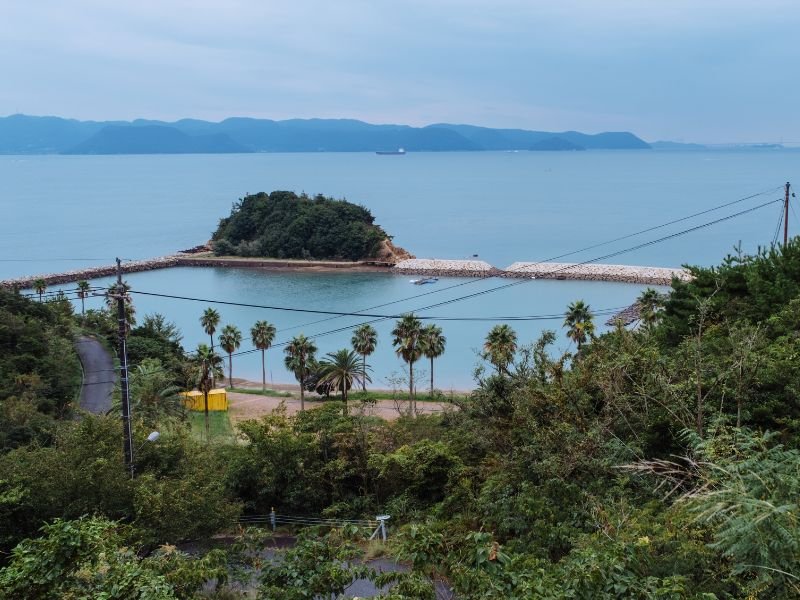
556,143
22,134
154,139
521,139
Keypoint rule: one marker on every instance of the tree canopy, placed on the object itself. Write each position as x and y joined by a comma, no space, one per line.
287,225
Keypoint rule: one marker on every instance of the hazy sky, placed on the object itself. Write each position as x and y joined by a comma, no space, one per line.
693,70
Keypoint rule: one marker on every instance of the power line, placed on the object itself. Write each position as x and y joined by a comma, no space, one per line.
555,271
667,224
458,299
628,236
353,314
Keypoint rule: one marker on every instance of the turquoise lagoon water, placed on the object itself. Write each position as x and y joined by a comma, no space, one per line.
65,212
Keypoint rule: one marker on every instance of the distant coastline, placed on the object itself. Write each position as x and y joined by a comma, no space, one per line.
24,134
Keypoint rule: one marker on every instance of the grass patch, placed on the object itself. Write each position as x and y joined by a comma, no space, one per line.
219,426
260,392
403,396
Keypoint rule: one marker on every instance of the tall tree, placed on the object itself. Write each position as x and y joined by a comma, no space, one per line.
83,293
299,354
209,321
650,303
230,340
406,342
579,322
340,370
500,347
263,334
433,344
207,367
364,341
39,286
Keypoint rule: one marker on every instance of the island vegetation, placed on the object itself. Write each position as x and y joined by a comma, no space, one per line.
287,225
658,461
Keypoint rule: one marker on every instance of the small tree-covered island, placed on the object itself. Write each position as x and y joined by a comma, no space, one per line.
287,225
659,461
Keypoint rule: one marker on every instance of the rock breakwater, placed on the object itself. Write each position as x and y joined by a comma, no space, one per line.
597,272
133,266
444,268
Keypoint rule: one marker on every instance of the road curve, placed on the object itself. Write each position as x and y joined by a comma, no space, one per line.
99,375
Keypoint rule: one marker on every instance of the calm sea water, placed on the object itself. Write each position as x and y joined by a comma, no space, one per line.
64,212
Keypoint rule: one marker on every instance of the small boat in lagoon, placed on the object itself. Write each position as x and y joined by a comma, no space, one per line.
424,280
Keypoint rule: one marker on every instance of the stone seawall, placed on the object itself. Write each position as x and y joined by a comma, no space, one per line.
445,268
415,266
597,272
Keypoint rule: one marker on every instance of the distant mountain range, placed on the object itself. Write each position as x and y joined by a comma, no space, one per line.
23,134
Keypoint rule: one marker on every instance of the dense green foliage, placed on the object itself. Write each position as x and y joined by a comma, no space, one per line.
285,225
654,462
40,374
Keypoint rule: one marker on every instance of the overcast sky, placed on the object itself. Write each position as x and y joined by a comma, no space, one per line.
691,70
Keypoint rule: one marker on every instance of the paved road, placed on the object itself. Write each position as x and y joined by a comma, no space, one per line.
99,375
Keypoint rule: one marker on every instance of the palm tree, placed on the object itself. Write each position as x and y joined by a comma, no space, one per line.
299,354
230,339
340,370
364,340
83,293
207,367
406,341
579,322
209,321
263,334
39,286
500,347
433,343
155,396
121,289
650,303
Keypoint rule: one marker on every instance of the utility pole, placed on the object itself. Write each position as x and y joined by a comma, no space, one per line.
786,217
123,374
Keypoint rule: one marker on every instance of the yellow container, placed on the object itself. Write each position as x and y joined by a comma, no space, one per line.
217,400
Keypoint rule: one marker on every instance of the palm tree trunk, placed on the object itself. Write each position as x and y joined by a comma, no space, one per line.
230,370
213,379
411,387
263,373
83,305
205,407
344,396
431,377
302,390
364,372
